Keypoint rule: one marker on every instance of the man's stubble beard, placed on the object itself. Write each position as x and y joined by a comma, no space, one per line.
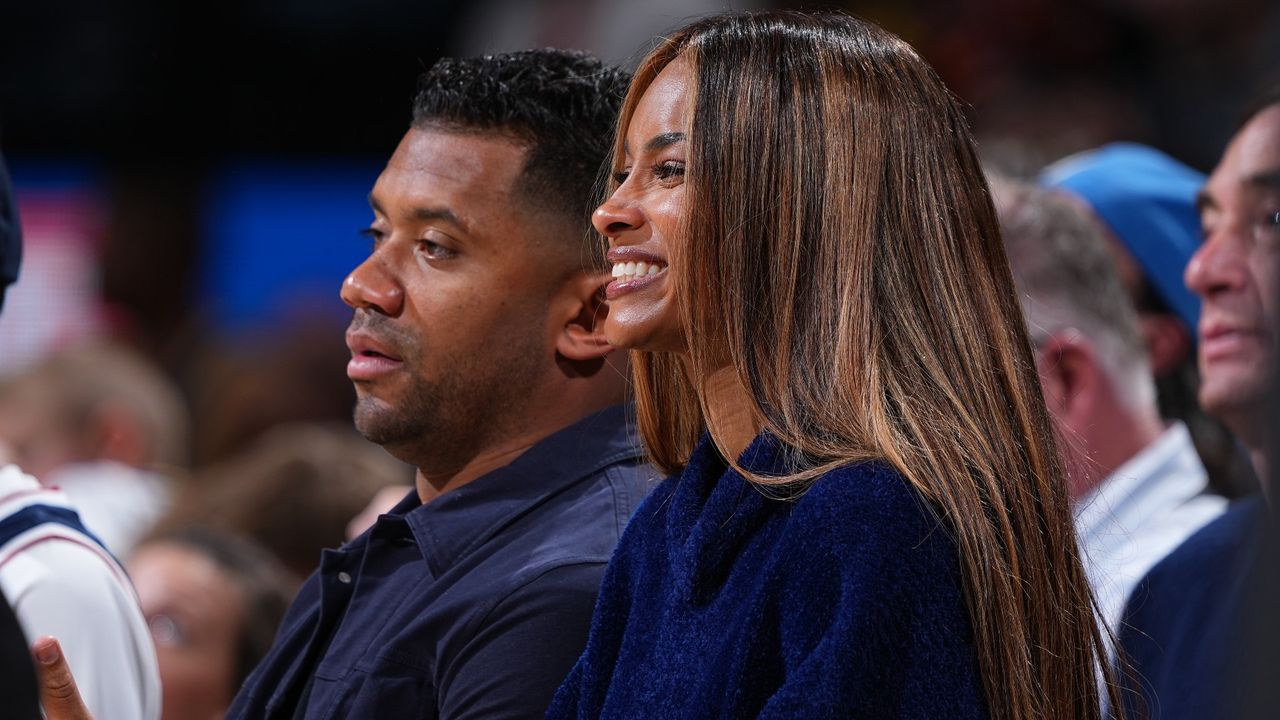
447,420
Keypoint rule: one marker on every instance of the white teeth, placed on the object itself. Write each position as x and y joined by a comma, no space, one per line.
625,271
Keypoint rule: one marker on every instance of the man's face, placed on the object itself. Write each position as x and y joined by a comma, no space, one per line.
451,307
1236,272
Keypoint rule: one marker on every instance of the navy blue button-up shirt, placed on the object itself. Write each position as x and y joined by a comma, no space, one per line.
475,605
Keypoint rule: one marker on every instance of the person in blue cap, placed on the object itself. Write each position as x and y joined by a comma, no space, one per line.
1147,202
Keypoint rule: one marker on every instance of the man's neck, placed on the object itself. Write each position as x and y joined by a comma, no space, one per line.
1118,436
432,481
1261,460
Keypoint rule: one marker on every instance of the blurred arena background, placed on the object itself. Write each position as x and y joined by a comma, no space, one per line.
192,176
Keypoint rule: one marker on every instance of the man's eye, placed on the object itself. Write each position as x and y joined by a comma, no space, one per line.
434,250
373,234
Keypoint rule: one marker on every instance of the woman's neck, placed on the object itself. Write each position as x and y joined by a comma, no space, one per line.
732,418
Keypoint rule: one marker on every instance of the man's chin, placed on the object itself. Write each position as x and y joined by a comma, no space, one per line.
381,426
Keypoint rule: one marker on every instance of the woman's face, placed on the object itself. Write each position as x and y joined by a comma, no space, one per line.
194,610
642,216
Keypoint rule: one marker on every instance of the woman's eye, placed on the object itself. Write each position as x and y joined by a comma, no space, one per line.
668,170
622,175
166,631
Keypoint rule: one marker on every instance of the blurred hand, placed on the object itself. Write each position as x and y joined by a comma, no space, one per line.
58,693
386,499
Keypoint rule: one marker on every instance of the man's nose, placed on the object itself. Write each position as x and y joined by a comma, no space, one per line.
1220,264
371,287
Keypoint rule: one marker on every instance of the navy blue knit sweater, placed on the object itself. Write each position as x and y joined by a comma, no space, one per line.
722,603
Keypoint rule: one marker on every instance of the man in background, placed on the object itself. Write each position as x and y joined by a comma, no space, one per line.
1145,201
1201,628
477,358
1138,486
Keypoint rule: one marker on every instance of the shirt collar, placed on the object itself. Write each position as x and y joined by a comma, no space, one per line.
1160,477
461,519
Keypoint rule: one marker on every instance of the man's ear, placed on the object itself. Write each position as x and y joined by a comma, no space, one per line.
1069,375
580,312
1168,341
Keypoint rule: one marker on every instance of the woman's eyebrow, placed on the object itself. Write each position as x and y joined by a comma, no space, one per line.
658,142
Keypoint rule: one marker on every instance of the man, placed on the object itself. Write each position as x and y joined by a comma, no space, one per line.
1145,201
1191,622
477,358
59,578
1137,485
103,424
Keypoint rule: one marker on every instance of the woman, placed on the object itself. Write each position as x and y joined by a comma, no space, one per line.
873,523
213,602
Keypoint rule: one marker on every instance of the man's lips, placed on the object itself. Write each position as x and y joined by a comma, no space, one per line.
1220,340
370,358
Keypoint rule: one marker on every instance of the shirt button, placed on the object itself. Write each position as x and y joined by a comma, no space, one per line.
344,577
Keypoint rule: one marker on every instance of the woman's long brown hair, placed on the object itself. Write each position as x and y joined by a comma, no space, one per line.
841,250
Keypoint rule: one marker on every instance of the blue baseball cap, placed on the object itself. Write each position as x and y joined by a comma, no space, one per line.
1148,200
10,233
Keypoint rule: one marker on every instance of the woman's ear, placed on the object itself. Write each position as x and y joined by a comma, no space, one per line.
580,312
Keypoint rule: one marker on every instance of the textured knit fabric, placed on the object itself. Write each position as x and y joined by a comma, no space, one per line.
722,603
472,606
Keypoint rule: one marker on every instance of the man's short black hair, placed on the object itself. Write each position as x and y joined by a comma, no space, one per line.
563,104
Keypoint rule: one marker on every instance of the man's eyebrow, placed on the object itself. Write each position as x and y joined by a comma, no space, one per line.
658,142
425,214
1267,179
445,214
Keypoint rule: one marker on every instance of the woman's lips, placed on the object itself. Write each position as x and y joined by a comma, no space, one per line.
622,286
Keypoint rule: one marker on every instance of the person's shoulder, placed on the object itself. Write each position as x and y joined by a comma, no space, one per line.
1217,547
867,495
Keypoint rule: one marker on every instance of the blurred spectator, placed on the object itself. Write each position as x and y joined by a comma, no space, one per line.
104,425
244,385
1201,626
18,684
293,491
60,580
213,602
1138,487
1146,200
